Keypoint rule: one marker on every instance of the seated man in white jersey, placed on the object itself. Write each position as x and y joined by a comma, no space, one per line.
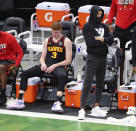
56,54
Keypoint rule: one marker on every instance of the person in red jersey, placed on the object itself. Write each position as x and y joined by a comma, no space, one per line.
125,13
11,55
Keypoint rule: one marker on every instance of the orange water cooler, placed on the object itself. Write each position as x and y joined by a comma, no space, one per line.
48,12
72,95
32,89
127,96
84,13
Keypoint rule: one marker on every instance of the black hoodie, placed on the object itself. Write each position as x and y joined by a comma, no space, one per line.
94,28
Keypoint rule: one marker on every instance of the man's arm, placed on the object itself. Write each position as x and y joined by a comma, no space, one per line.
89,36
68,55
68,48
43,56
108,39
112,12
17,49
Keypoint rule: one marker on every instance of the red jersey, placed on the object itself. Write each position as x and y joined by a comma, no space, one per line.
125,11
9,48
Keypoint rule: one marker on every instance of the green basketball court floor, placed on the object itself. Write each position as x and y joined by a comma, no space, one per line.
32,121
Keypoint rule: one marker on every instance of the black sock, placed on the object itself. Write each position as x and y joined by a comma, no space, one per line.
20,97
59,98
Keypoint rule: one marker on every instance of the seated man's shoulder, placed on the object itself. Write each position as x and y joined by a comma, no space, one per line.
46,39
67,40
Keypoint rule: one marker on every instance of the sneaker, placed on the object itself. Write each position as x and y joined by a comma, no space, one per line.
97,112
15,104
81,114
106,109
3,99
57,107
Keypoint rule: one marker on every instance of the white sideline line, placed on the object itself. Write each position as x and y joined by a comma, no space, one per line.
62,117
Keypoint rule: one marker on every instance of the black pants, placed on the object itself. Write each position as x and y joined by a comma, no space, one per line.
95,67
36,71
124,35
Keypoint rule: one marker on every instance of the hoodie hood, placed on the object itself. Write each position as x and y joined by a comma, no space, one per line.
93,15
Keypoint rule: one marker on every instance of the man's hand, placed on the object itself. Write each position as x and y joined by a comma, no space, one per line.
96,37
43,67
50,69
99,38
111,27
14,69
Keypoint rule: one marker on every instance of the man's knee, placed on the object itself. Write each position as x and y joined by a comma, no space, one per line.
61,76
25,73
99,88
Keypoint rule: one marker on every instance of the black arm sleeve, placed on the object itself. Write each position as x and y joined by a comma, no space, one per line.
89,37
108,39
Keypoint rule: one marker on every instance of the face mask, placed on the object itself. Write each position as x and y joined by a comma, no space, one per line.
98,20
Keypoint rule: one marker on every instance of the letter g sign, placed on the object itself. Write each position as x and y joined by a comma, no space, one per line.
48,17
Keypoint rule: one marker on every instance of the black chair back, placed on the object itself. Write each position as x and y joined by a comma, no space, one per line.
14,23
69,29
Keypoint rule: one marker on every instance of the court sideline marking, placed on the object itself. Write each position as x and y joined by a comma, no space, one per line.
63,117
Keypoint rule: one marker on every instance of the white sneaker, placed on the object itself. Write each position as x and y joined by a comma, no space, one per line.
81,114
57,107
97,112
106,109
15,104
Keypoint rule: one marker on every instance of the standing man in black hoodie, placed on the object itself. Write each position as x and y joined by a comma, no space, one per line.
97,37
